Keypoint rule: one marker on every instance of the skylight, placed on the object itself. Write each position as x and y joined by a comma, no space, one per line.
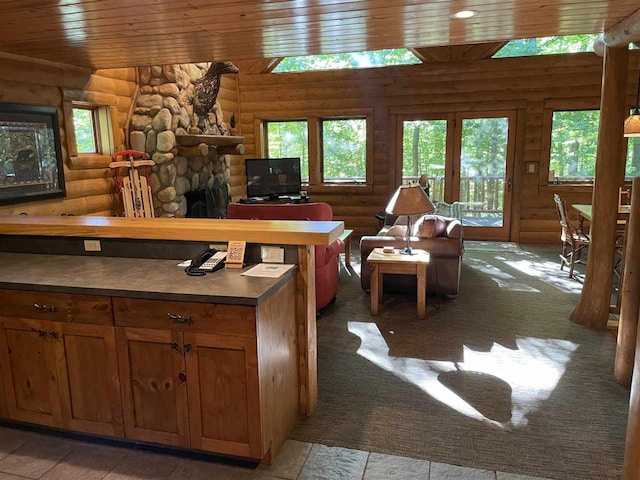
547,46
337,61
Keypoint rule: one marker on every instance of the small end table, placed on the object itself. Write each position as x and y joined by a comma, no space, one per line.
395,262
346,238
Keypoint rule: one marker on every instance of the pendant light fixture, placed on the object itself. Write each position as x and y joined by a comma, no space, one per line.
632,123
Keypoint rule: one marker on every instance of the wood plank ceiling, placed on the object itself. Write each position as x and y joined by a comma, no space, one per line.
118,33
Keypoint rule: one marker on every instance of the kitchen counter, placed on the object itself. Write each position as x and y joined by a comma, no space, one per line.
132,277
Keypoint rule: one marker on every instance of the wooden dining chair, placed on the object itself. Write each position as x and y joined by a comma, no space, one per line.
574,240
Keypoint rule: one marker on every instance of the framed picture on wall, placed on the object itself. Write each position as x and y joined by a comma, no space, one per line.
30,155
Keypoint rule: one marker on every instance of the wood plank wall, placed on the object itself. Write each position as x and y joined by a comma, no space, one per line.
89,183
525,84
228,98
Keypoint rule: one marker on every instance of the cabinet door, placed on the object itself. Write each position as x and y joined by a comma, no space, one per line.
89,384
4,413
153,383
28,359
224,403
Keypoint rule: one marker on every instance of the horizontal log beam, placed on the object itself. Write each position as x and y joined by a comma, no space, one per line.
623,33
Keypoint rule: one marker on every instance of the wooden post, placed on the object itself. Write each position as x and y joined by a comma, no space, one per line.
630,307
307,336
631,469
593,308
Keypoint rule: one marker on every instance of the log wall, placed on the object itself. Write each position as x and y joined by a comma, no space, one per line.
89,184
527,85
228,98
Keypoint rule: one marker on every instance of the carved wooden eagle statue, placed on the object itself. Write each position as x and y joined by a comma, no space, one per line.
207,87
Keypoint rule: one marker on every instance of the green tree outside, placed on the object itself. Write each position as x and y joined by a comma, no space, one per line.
84,128
336,61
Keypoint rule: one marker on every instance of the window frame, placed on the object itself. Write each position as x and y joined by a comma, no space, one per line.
551,106
321,121
547,131
105,128
313,118
265,127
94,128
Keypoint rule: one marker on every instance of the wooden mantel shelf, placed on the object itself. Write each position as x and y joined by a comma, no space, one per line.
284,232
218,140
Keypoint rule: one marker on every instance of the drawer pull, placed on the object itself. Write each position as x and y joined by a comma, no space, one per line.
44,308
179,318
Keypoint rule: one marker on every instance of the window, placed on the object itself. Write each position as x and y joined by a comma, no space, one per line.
344,150
547,46
289,139
374,58
85,129
574,144
91,127
574,141
424,150
633,158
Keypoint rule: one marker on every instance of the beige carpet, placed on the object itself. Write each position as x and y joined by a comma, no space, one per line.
497,379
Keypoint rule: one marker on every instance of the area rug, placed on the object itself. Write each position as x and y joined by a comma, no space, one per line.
497,379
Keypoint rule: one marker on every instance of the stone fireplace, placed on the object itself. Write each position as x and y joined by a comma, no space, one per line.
163,110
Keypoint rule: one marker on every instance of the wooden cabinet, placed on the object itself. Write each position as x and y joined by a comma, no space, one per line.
88,377
174,373
29,374
61,375
224,398
153,381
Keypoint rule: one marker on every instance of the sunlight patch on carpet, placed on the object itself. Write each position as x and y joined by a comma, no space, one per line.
503,279
516,382
548,272
478,246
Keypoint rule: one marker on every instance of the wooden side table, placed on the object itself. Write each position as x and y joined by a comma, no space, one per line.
346,238
395,262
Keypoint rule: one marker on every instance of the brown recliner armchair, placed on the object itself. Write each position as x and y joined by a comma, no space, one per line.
440,236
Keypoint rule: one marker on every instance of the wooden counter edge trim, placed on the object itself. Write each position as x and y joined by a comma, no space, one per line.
285,232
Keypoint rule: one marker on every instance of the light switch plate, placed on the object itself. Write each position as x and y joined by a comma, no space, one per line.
92,246
272,254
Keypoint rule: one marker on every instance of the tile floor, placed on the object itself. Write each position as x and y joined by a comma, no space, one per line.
29,455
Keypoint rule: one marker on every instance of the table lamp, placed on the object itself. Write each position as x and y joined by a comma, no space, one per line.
409,200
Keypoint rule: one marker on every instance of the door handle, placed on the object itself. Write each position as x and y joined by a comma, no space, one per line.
509,184
179,318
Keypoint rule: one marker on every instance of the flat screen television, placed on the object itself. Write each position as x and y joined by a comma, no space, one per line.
273,177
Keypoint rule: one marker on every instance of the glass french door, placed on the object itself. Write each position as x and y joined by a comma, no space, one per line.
468,158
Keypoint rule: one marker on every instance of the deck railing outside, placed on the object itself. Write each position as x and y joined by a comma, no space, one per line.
480,196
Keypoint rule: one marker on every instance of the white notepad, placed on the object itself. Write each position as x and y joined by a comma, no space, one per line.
268,270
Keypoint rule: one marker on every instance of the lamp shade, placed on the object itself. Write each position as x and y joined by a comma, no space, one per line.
409,200
632,124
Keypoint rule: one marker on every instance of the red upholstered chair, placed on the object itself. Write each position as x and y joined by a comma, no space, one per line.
327,273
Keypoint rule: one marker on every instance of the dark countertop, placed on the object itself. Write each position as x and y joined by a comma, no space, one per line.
132,277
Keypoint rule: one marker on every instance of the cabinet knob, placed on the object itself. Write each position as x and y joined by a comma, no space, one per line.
44,308
179,318
175,347
182,377
188,347
41,333
53,334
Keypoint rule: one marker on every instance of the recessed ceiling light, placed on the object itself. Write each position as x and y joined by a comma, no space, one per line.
464,14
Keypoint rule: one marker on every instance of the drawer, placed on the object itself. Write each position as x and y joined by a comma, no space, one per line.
185,316
57,307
